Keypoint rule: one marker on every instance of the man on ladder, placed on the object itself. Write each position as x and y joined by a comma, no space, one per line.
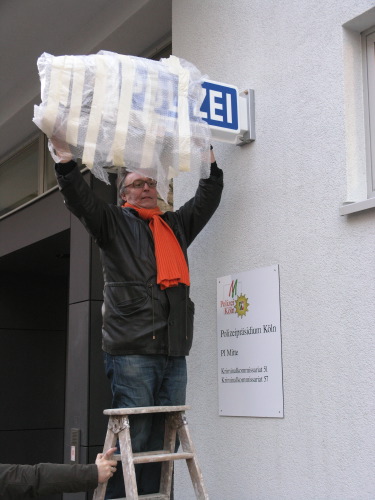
147,312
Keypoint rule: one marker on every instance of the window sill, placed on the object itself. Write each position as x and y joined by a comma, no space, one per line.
348,207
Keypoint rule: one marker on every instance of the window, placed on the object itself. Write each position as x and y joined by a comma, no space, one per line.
19,178
368,40
25,175
359,94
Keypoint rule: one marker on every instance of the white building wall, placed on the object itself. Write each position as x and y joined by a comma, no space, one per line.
281,206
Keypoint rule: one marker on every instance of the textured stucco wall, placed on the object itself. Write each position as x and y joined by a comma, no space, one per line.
281,206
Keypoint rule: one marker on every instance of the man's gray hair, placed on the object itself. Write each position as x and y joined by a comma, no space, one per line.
121,176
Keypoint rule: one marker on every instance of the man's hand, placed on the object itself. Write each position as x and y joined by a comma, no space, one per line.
212,155
60,150
106,467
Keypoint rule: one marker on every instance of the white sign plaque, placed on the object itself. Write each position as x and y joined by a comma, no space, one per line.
249,344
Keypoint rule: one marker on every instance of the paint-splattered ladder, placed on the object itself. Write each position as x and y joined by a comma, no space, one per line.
175,424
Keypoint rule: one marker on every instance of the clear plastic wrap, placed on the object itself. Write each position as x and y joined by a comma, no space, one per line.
124,111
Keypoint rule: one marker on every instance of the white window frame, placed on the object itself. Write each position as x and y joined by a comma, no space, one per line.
359,81
368,51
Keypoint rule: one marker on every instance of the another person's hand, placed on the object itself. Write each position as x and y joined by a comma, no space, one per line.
106,467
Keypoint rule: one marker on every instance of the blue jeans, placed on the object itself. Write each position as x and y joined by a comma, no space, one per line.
145,380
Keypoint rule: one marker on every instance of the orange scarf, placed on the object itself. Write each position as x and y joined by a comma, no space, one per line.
171,264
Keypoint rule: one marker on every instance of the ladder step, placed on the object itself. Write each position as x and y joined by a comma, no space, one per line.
150,496
154,496
142,458
117,456
155,452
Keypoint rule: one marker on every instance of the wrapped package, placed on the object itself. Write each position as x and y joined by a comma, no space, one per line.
119,111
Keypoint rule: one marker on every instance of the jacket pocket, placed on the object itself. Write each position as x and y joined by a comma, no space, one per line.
127,298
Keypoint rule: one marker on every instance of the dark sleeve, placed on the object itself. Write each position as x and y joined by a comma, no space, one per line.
65,168
195,213
30,481
215,170
96,215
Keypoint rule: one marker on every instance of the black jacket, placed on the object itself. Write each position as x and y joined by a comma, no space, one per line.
22,482
139,317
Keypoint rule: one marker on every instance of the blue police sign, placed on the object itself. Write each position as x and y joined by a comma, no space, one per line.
229,114
220,105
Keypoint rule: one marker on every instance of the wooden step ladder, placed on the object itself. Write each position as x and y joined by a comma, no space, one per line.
175,424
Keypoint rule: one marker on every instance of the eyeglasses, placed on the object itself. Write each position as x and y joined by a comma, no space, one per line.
140,183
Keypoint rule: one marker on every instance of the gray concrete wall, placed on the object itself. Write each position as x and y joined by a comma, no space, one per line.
281,206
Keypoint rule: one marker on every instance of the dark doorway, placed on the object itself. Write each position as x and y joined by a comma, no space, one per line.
33,331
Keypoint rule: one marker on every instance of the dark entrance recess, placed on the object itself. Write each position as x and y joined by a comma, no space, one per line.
33,332
52,379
